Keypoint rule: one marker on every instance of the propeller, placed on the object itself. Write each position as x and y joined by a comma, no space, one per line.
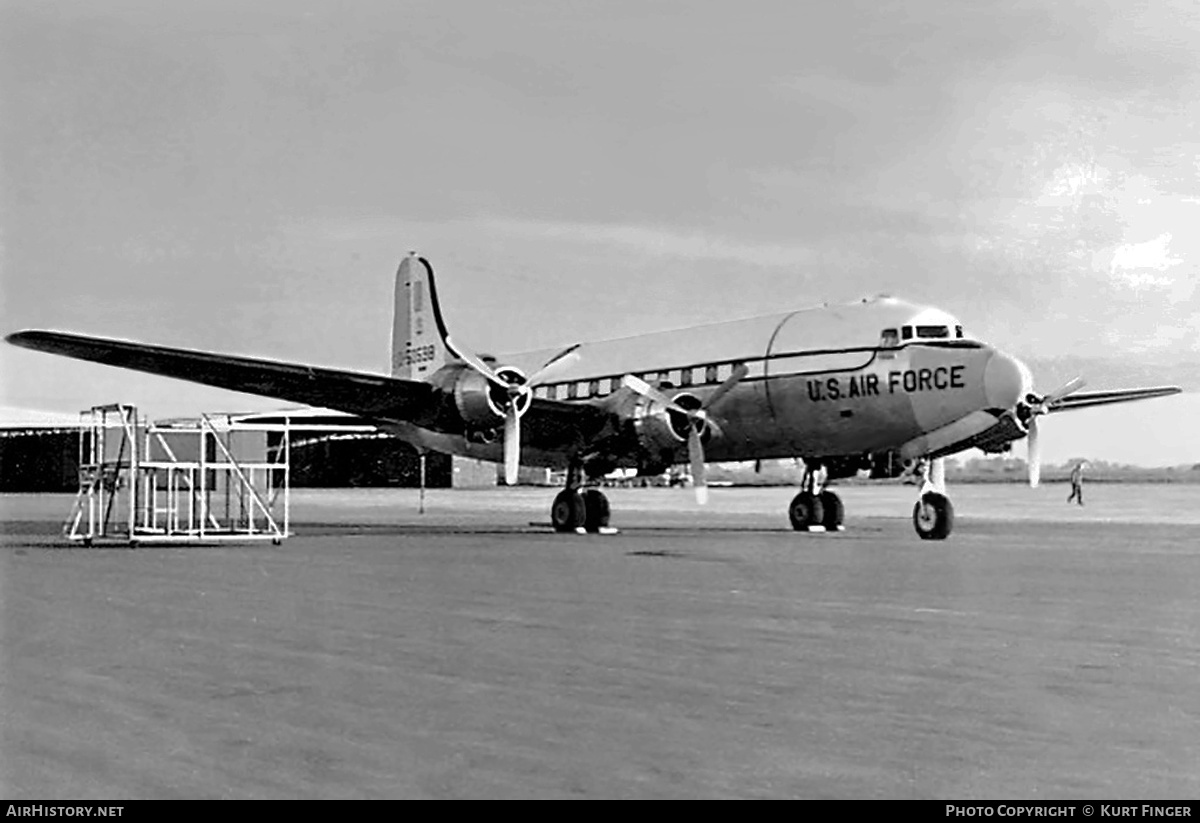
1030,410
697,420
1033,454
518,389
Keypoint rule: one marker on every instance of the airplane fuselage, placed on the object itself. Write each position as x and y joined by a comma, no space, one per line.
833,380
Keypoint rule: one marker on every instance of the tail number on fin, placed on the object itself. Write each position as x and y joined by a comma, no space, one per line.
421,354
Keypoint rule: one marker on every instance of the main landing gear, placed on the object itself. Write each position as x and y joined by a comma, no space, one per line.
933,515
815,508
579,510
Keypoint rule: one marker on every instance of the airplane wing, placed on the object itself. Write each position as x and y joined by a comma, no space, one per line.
366,399
308,419
1087,399
359,393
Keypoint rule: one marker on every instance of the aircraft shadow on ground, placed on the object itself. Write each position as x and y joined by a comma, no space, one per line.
533,528
47,535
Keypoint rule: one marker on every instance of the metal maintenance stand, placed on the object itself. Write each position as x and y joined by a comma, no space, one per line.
206,480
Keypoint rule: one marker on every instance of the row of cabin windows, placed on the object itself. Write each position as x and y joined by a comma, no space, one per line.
715,373
679,378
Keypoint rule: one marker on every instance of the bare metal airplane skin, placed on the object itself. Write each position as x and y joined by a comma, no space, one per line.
880,385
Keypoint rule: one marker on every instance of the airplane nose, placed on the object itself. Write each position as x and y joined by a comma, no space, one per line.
1005,381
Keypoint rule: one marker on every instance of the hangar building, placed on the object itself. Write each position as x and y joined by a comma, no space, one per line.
39,452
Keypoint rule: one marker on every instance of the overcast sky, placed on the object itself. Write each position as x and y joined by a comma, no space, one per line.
244,176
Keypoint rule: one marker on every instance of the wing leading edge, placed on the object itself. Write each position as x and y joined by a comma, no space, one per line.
360,393
1088,399
368,398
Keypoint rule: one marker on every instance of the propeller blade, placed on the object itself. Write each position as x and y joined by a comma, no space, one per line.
696,418
646,390
696,456
554,365
732,380
512,446
476,363
1033,454
1070,387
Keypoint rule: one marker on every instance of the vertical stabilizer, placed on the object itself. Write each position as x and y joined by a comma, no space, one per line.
418,333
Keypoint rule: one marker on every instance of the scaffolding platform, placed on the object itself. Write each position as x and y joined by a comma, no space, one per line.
206,480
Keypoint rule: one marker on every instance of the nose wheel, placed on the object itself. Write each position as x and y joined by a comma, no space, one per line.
933,514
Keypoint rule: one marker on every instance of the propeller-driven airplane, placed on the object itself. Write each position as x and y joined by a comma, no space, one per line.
880,385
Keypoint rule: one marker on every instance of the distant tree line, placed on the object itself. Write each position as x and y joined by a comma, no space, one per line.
980,469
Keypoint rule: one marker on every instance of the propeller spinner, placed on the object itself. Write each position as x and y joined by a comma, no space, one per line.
517,392
697,420
1029,411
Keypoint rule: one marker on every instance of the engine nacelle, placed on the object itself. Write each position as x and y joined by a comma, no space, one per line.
661,434
481,403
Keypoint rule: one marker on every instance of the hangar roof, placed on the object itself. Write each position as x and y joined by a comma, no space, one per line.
23,419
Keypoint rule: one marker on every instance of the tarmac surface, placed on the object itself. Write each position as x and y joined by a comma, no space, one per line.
1042,652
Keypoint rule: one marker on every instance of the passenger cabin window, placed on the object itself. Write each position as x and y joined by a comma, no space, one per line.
932,332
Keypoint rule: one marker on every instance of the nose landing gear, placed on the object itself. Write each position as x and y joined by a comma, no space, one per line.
933,514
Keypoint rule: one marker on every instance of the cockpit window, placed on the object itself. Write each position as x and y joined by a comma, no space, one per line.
889,339
907,332
958,332
932,332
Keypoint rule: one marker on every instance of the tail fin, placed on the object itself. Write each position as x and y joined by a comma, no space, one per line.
418,332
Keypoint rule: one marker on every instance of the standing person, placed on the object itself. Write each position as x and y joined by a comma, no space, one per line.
1077,483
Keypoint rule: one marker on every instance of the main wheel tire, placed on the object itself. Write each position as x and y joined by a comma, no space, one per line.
835,512
595,510
805,511
567,511
933,516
